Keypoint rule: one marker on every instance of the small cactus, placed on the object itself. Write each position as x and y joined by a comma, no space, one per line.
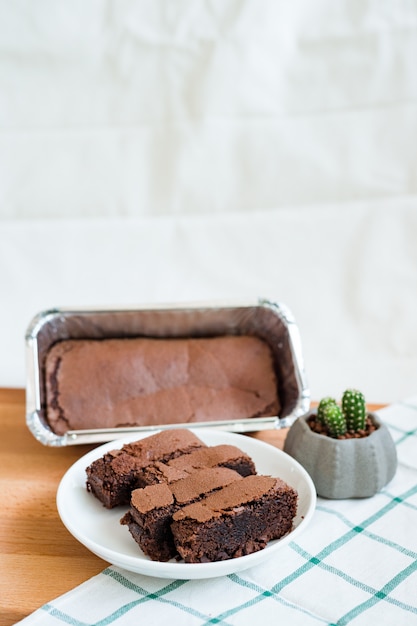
354,410
334,420
324,403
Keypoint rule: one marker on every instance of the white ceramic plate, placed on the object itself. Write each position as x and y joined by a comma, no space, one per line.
100,531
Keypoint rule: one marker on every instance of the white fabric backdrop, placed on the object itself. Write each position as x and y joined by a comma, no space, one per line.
155,151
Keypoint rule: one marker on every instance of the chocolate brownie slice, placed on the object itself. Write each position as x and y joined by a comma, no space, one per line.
237,520
113,477
152,507
212,456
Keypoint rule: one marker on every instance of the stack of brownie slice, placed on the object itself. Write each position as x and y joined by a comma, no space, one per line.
192,501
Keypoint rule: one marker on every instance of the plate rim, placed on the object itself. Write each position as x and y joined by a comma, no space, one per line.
171,569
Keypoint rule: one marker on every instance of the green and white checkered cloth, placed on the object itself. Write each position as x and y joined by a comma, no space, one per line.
356,563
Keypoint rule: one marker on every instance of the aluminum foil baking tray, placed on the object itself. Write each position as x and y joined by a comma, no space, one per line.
271,321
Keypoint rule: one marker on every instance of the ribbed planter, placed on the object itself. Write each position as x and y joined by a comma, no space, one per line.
347,468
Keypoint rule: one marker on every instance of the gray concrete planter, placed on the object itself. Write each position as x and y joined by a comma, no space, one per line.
349,468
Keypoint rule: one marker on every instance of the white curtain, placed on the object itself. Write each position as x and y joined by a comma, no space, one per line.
177,150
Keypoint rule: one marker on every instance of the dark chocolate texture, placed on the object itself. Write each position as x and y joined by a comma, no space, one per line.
235,521
113,477
150,515
212,456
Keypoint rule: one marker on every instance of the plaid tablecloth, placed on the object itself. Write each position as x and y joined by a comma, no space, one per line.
356,563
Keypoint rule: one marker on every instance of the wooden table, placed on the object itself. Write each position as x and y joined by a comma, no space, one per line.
40,560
